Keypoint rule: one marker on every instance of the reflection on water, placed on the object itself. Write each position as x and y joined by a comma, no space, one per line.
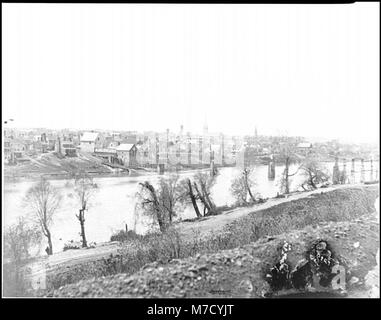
113,204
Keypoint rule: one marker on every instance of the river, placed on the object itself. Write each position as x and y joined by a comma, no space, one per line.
113,205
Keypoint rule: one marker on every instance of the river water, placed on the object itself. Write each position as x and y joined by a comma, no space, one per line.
113,205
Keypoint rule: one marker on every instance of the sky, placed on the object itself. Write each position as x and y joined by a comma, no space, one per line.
307,70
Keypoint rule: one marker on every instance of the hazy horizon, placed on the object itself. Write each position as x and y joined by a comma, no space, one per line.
297,70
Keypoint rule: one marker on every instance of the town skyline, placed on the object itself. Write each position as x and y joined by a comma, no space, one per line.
312,139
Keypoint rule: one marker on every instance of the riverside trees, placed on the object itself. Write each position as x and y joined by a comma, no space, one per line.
44,200
241,187
313,174
188,193
287,156
198,191
310,169
84,188
203,184
163,201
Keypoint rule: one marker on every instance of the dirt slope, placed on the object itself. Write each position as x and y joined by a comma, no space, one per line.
51,164
229,230
241,272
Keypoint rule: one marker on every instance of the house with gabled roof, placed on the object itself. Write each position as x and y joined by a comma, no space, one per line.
91,140
127,153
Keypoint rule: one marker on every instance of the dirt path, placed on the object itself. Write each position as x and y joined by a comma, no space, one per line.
214,224
44,265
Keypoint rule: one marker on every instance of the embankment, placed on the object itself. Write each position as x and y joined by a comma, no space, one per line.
340,204
219,232
241,272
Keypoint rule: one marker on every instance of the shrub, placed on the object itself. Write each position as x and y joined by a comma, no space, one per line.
72,245
123,236
19,239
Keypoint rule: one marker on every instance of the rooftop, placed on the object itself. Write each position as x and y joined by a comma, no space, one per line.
305,145
89,136
124,147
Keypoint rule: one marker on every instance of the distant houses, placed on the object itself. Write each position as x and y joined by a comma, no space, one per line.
18,148
65,147
304,148
107,154
7,150
127,153
128,148
15,150
91,140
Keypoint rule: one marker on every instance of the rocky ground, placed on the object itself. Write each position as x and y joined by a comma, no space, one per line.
242,272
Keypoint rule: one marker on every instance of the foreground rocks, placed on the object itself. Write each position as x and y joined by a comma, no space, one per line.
241,272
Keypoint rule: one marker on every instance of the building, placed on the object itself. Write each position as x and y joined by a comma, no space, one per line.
7,150
113,144
65,147
127,153
108,154
304,148
14,150
18,148
91,140
52,140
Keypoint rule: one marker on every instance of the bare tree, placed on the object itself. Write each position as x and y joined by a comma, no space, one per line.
44,200
314,174
287,155
170,195
163,202
148,201
187,190
242,185
203,184
84,188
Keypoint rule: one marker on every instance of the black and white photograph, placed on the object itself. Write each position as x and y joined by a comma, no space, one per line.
180,150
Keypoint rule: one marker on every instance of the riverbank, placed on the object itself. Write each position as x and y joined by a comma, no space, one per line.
232,228
61,168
